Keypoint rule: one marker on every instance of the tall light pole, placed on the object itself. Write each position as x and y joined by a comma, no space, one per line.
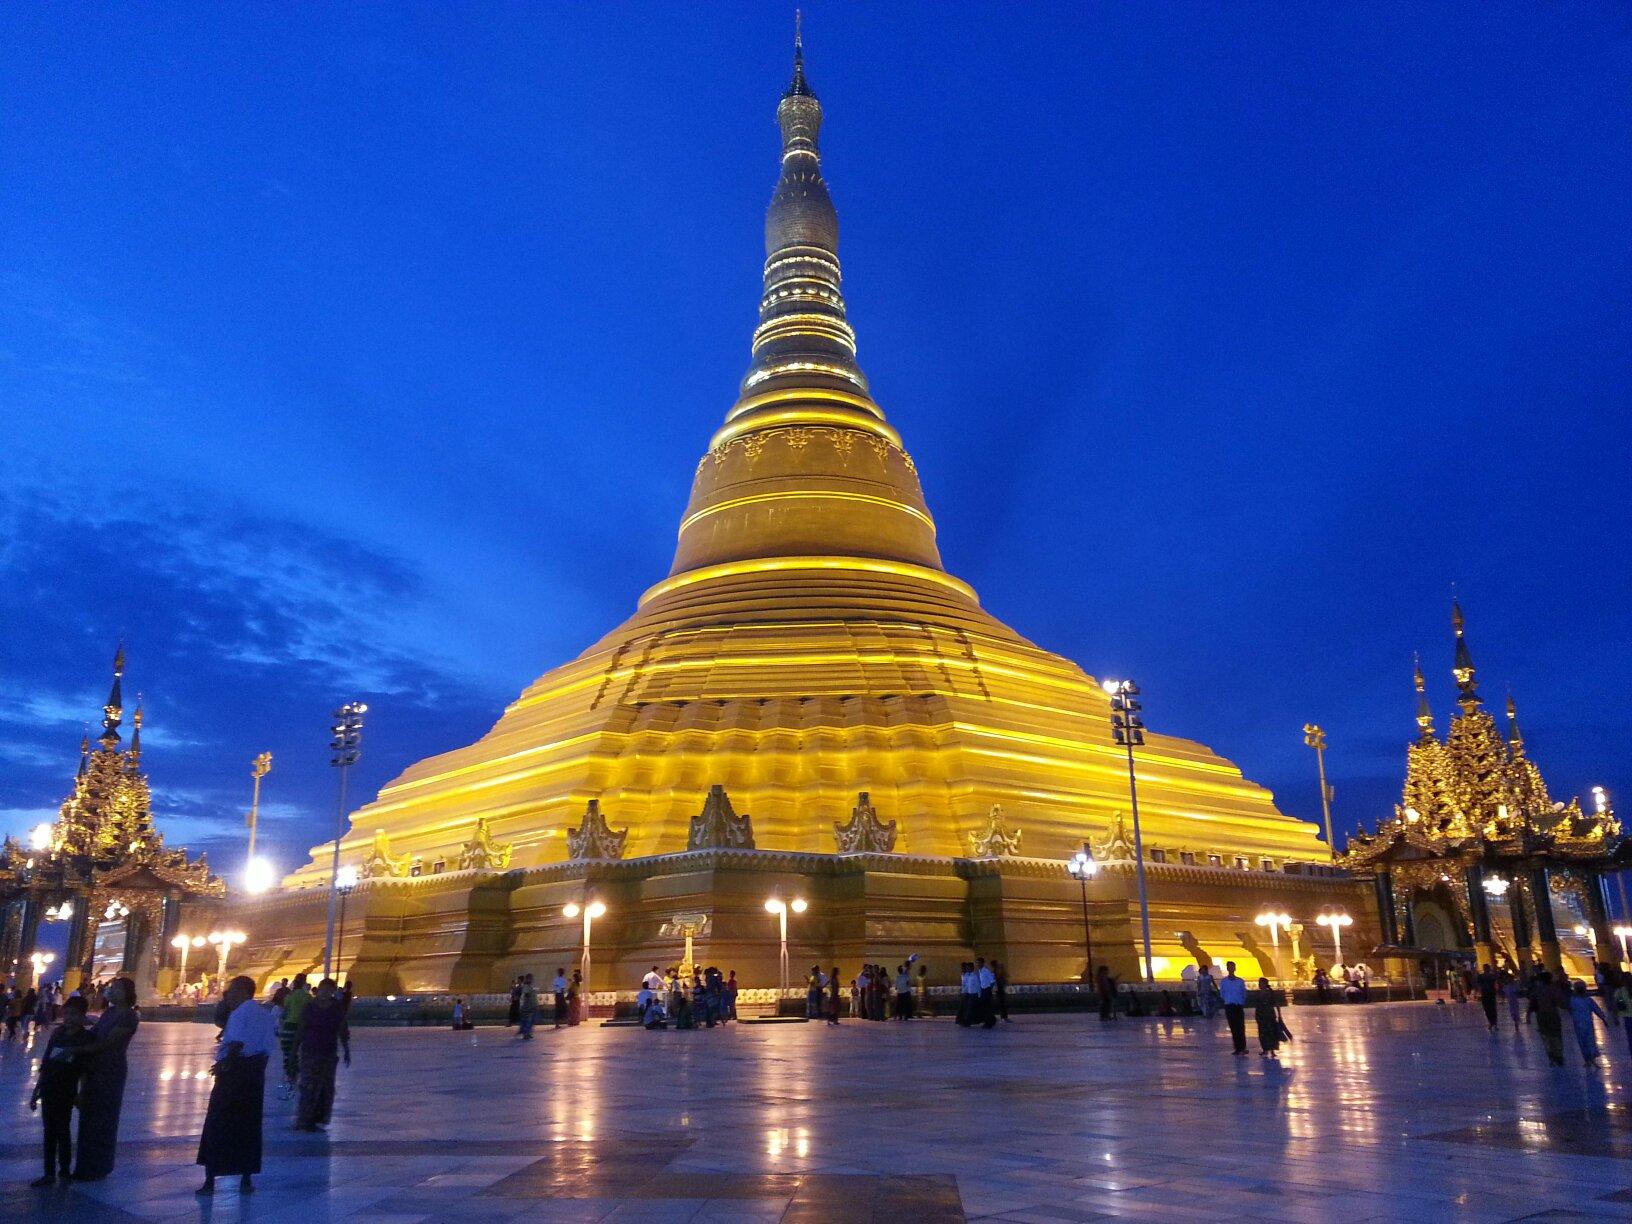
1128,729
780,908
259,768
1274,919
344,881
590,910
1084,868
347,746
1315,738
1335,921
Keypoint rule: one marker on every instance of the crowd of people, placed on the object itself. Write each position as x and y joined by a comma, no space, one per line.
1536,996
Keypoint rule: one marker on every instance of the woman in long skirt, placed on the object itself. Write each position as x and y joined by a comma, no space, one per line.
1267,1012
323,1034
231,1142
104,1090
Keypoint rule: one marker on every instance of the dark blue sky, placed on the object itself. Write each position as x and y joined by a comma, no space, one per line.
367,352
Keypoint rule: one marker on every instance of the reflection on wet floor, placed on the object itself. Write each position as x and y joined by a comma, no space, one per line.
1376,1113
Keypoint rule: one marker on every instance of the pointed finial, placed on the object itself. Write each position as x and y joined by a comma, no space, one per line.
136,732
84,752
1425,716
799,88
1467,689
112,712
1513,736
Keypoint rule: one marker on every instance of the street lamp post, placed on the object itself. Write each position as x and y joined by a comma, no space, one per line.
1128,729
347,746
590,910
185,943
1623,933
344,881
224,942
1084,868
1315,738
1274,919
780,908
40,960
1335,921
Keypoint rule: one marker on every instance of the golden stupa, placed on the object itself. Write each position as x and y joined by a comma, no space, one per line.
806,647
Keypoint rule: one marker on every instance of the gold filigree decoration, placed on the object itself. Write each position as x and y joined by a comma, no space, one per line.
381,863
1116,846
998,839
482,852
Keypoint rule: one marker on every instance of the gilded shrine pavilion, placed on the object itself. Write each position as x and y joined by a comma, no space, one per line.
808,705
102,868
1478,859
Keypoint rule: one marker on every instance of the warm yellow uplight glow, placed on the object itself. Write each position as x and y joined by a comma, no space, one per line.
799,905
259,876
39,837
571,910
595,910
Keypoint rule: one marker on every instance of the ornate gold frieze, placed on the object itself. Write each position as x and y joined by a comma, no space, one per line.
381,863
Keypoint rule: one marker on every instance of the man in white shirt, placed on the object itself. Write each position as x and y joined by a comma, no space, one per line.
231,1142
653,981
559,986
967,992
985,986
1232,991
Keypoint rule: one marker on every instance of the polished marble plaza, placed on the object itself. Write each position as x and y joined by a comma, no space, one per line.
1391,1112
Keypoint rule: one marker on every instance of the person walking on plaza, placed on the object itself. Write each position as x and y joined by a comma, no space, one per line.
1583,1007
103,1092
513,1018
986,983
1206,993
294,1006
1621,1001
558,988
323,1033
966,992
1266,1011
231,1142
1550,1003
1232,991
1000,991
1486,983
1514,997
55,1090
1106,985
903,994
834,989
526,1007
813,993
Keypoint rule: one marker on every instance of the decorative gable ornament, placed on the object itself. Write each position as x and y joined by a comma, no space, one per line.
594,838
998,839
1116,846
482,852
381,863
717,827
865,833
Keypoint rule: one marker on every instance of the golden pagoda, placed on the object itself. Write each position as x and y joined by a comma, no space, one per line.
1477,847
809,681
103,864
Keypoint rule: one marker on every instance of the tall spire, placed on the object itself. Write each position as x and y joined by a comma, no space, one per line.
798,86
1425,716
803,339
1514,738
1467,689
113,712
805,465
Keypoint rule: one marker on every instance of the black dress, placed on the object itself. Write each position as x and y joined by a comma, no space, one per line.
103,1094
231,1143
